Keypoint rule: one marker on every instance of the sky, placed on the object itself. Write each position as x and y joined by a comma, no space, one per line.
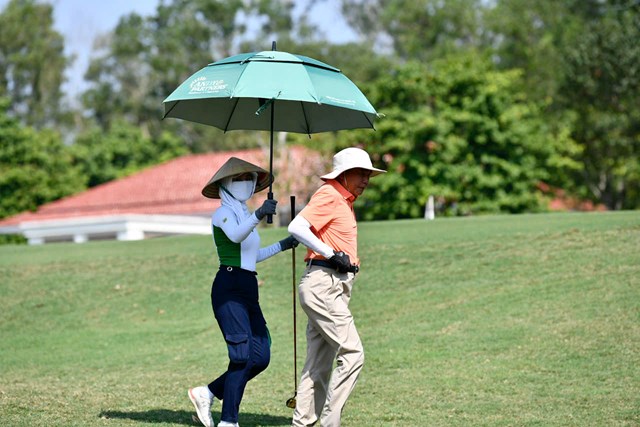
80,21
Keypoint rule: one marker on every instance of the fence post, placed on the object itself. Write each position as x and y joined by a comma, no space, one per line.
429,212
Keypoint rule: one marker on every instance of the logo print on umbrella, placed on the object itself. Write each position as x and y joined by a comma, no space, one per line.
349,102
202,85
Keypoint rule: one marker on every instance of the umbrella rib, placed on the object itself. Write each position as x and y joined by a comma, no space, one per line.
306,121
370,122
170,110
226,126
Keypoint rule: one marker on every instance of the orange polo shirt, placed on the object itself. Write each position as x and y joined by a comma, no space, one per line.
333,221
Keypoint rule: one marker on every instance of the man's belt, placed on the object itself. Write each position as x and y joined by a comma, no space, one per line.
326,264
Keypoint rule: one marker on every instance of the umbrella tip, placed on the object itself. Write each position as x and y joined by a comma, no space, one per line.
273,45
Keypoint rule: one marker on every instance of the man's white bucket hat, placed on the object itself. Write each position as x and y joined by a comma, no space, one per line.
351,158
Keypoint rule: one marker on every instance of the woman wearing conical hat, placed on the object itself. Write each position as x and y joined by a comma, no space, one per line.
234,293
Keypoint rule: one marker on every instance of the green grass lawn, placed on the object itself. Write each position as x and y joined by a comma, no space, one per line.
528,320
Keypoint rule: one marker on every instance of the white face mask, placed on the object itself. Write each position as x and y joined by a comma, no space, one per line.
241,190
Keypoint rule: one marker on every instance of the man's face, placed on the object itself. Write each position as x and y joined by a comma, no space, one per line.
355,180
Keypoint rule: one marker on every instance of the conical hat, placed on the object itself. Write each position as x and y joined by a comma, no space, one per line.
235,166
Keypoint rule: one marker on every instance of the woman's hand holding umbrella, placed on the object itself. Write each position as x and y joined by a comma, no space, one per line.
267,208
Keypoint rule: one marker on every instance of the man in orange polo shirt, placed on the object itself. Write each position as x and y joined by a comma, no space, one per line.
327,226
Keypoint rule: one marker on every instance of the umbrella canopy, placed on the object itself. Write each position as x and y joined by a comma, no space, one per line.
303,95
310,96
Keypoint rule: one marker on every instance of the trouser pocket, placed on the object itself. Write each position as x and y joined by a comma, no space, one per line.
238,347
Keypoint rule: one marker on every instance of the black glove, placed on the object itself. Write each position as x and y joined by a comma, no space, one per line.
288,243
340,261
267,208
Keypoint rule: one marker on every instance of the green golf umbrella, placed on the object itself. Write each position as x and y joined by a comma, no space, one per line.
303,95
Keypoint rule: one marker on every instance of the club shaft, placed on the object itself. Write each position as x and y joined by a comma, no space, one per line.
293,293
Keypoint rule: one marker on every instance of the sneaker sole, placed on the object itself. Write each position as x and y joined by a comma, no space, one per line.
193,400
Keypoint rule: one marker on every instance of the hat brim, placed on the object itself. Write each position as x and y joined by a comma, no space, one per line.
336,173
235,166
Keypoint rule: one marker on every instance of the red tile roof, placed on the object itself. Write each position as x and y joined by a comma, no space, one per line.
171,188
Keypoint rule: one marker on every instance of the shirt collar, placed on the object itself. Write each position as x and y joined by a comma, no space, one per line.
343,191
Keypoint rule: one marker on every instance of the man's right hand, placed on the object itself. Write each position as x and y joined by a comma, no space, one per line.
341,261
267,208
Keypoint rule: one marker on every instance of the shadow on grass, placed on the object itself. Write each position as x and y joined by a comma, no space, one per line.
155,416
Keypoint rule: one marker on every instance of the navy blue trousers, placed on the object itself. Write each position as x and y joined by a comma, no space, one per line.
234,298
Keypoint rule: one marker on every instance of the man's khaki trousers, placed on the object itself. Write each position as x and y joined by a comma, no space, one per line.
331,335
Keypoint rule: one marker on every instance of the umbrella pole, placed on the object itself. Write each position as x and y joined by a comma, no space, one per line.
270,194
291,403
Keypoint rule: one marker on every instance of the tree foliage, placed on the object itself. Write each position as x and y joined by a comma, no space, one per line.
35,166
527,36
32,63
459,131
483,99
601,85
124,149
579,62
417,30
145,59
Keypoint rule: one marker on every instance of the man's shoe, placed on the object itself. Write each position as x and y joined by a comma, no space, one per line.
199,396
227,424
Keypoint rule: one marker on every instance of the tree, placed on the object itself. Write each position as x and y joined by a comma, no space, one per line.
581,58
32,63
459,131
417,30
35,166
123,150
601,85
145,59
528,36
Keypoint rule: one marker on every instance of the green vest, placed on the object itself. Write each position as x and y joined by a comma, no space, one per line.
228,251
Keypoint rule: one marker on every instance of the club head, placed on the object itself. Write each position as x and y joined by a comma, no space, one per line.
291,403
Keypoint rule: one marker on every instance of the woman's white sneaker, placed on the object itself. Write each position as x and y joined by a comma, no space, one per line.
202,400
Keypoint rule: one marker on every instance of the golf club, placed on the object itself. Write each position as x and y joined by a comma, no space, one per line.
291,403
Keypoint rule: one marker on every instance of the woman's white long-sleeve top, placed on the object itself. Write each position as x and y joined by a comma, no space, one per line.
238,243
